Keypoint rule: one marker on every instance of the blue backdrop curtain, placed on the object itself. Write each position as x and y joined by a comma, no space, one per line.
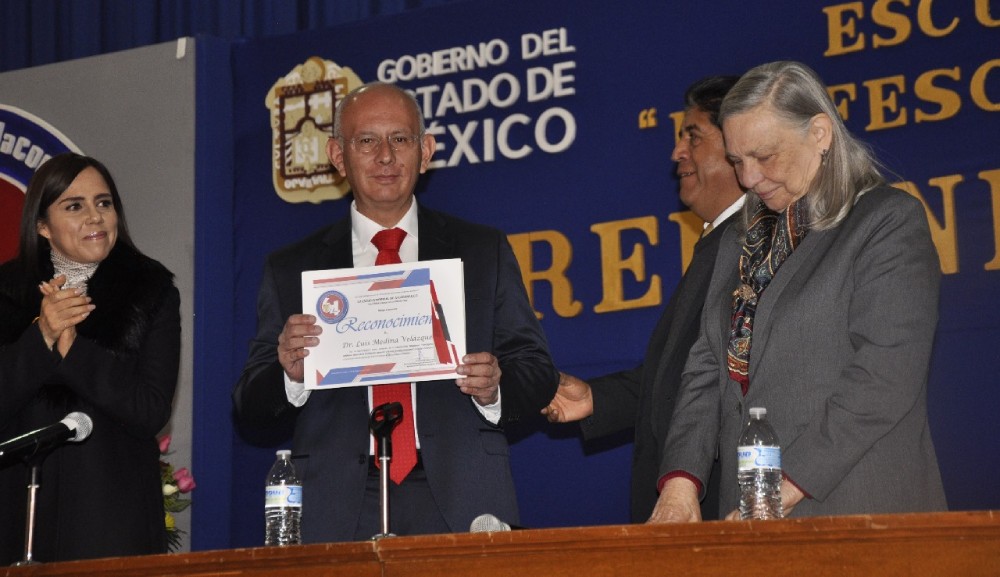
36,32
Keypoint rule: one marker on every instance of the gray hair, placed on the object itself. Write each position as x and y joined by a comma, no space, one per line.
796,94
354,94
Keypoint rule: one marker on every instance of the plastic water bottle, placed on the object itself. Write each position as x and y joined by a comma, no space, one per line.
283,503
759,456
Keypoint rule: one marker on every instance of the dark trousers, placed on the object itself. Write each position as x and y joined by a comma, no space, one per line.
412,509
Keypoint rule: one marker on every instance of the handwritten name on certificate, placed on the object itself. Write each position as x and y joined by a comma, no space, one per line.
385,324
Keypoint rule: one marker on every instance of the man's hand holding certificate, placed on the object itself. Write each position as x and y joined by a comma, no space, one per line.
385,324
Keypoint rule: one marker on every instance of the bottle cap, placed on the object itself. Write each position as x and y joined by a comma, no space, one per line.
284,453
757,412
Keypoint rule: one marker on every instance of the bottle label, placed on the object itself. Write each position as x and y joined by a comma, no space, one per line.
758,457
283,496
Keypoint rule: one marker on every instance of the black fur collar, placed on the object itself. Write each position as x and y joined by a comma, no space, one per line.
126,289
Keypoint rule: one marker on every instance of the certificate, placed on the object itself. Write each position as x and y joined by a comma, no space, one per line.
385,324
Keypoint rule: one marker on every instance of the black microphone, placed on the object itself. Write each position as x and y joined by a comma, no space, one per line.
487,523
74,428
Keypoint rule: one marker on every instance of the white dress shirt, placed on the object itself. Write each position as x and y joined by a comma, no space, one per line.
710,226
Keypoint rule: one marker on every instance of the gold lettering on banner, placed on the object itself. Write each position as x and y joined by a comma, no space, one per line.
678,118
843,35
883,93
926,21
993,178
691,227
899,23
613,265
945,236
977,87
851,94
888,100
647,119
983,14
563,302
841,25
927,91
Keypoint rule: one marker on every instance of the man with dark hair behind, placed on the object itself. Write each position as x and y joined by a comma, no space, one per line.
643,397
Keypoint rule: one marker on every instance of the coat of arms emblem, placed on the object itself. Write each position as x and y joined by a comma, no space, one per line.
302,104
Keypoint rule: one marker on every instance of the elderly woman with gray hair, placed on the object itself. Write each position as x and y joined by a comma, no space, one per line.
823,310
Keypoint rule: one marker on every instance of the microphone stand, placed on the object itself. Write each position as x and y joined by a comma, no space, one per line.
384,419
34,483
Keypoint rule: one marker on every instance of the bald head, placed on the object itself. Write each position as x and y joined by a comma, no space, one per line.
358,93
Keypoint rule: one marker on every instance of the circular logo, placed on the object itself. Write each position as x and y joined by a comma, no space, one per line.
331,307
26,141
11,203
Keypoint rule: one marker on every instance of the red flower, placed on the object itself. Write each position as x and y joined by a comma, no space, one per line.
164,444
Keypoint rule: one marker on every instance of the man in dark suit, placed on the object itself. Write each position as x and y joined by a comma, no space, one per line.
643,397
462,466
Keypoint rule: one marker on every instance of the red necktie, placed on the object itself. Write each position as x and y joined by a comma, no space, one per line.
404,442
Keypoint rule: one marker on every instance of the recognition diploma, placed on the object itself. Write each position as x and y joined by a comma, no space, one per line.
385,324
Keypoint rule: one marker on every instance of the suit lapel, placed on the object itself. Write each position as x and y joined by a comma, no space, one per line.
337,251
435,240
435,243
683,303
725,281
768,303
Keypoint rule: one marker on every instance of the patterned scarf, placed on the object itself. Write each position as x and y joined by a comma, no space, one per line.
77,274
771,237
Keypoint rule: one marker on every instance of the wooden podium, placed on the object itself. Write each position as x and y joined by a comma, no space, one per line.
939,544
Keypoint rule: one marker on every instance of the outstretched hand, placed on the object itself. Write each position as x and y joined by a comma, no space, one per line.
573,401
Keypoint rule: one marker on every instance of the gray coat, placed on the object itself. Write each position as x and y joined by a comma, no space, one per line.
840,353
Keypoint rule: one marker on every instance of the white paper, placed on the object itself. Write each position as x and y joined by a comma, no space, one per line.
385,324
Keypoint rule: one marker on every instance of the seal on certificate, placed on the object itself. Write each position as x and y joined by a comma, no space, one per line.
331,307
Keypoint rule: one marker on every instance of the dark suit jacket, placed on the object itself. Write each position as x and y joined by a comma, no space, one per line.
643,397
841,348
466,458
